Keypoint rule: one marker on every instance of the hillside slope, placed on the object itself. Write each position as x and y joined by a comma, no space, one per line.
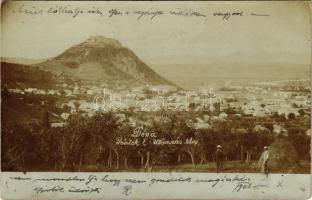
104,60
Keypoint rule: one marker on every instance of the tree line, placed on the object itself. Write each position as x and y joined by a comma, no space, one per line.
90,143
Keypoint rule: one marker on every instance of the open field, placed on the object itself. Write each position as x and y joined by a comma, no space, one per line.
209,167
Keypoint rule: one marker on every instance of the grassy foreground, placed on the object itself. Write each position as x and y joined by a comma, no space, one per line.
210,167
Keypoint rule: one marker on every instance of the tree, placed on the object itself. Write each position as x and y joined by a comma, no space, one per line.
77,134
104,127
301,112
46,119
291,116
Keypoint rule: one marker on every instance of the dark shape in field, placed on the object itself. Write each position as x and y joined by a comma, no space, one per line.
282,155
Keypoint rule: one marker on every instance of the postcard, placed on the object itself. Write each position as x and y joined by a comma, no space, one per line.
155,100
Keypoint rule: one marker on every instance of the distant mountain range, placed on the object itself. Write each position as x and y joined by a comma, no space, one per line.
104,60
222,73
22,61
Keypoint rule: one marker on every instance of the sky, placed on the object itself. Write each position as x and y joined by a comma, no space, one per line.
283,36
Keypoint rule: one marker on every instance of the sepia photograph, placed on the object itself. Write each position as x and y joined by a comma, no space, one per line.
170,95
166,87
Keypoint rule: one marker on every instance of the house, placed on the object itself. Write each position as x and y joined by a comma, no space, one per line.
223,115
279,130
260,129
17,90
58,124
121,117
217,119
163,89
239,131
65,115
206,118
288,110
200,124
87,106
40,92
30,90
